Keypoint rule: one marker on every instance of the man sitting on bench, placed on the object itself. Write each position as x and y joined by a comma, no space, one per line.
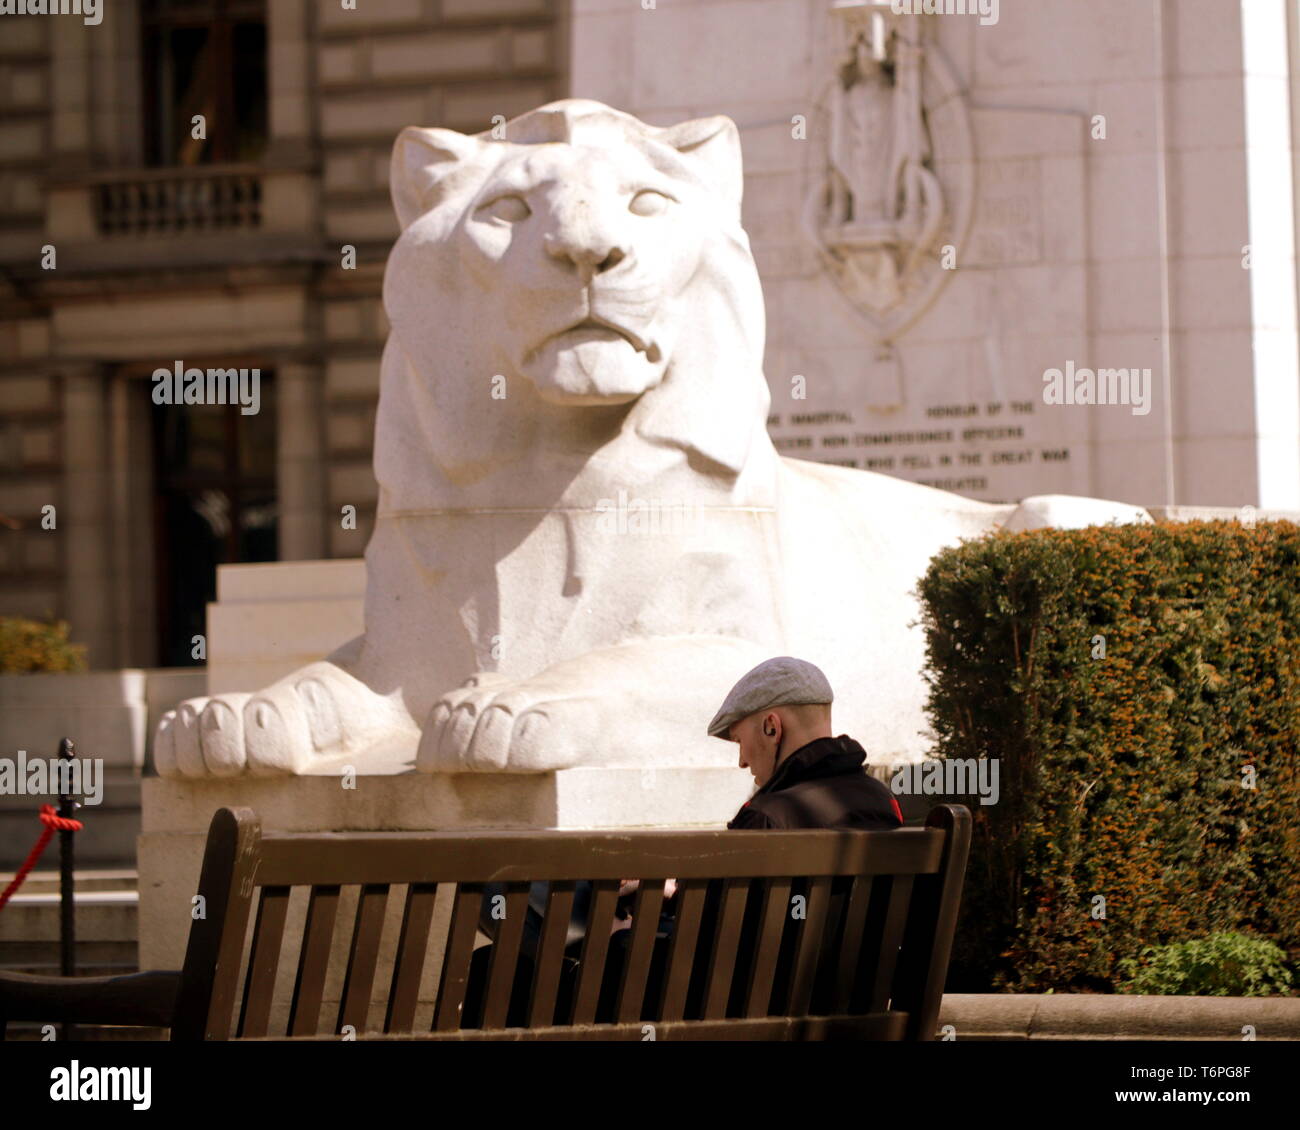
779,714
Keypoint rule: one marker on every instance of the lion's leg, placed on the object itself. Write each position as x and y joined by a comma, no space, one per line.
641,703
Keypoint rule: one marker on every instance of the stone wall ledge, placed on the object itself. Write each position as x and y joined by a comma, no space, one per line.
1098,1016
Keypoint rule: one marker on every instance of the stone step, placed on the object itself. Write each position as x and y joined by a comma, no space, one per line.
98,879
93,958
107,913
90,951
51,967
101,916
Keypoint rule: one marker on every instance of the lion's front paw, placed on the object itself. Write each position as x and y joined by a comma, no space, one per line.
314,713
494,724
644,702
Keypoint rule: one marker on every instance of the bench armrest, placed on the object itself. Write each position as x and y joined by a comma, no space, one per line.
147,999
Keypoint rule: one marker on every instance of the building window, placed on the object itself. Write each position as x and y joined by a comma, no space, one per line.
208,58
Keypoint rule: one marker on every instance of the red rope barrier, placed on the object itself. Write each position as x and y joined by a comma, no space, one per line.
53,823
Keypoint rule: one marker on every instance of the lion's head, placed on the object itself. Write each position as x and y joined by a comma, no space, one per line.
595,263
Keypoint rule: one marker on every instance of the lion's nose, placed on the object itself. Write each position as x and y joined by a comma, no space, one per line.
592,252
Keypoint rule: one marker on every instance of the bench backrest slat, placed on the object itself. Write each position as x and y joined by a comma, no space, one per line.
505,955
832,935
542,1001
889,937
808,942
264,961
412,949
871,937
313,960
456,958
646,905
774,913
722,954
691,894
363,958
591,970
852,936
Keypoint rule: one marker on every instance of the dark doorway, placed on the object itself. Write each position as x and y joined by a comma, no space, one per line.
214,504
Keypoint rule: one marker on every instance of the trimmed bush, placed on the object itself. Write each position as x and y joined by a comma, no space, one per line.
30,645
1133,680
1222,965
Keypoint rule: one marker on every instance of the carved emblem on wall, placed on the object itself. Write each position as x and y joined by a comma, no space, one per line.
892,178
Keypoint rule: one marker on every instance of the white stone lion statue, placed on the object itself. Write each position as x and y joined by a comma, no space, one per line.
584,535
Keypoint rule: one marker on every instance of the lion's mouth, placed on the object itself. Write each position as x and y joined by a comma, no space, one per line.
595,327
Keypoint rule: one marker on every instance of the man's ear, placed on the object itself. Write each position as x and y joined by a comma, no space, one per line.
714,144
425,166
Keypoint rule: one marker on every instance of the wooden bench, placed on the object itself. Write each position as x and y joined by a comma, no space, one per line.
875,933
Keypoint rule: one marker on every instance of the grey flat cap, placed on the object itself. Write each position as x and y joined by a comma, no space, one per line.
783,681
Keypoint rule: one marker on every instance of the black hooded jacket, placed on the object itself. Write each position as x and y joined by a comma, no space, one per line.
822,785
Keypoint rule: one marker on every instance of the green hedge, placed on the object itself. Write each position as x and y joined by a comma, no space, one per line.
30,645
1121,776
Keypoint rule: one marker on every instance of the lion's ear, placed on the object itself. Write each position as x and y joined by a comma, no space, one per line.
423,163
714,143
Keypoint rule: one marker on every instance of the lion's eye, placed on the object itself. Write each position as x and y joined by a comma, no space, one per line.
648,202
510,207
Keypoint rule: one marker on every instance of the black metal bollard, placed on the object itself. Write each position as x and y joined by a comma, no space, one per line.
67,905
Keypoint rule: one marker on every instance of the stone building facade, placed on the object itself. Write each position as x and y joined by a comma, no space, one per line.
1111,182
127,244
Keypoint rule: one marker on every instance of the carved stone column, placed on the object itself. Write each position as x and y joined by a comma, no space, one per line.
290,189
300,467
70,75
83,515
289,76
